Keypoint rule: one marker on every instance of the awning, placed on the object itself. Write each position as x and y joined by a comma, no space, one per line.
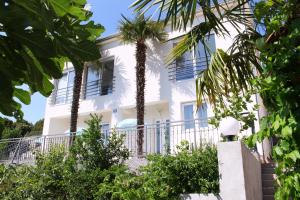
79,131
127,123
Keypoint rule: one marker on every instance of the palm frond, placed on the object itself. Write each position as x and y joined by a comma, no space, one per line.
141,28
181,13
229,72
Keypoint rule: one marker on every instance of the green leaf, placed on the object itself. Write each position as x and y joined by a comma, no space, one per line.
22,95
278,150
61,7
284,145
276,125
287,131
78,12
294,155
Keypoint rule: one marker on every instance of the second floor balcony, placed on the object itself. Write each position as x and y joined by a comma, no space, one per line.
97,81
88,90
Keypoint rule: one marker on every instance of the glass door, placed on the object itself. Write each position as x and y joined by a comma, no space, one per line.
93,82
69,94
64,88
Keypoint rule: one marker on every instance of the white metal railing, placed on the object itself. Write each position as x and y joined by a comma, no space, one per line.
159,138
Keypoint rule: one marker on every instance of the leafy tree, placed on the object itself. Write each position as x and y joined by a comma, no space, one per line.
263,62
93,151
36,38
38,126
138,31
16,129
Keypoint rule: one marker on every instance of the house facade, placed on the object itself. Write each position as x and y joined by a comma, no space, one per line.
109,89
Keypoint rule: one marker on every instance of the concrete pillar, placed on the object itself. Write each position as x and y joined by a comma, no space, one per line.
240,172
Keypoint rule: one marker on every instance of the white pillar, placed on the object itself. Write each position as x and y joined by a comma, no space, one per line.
240,172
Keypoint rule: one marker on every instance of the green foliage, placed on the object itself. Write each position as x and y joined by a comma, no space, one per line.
65,175
280,89
59,175
165,177
36,38
16,129
140,29
38,126
93,150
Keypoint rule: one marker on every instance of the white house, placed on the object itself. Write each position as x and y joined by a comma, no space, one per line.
109,89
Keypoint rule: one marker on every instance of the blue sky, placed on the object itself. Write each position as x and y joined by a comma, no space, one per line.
106,12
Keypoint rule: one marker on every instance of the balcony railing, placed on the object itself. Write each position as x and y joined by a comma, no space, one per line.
96,88
159,138
187,69
89,89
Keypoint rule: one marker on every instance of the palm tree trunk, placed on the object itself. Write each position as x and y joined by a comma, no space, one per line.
140,93
75,104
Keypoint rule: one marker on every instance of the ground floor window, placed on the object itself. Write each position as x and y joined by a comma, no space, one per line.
193,116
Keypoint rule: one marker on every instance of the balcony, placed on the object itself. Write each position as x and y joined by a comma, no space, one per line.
187,69
89,90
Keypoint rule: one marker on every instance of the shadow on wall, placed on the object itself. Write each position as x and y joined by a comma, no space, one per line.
122,81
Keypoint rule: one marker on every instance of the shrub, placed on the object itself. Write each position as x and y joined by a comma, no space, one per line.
93,169
93,151
165,177
65,175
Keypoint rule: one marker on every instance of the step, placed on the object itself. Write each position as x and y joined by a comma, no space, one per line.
268,197
268,165
268,183
266,177
268,190
268,171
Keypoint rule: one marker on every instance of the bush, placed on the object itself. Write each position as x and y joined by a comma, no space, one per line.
93,151
65,175
165,177
93,169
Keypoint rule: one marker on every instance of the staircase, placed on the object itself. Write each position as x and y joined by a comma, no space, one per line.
268,180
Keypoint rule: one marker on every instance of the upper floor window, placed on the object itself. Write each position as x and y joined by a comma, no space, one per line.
192,62
100,79
64,88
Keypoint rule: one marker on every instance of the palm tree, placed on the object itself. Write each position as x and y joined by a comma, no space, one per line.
138,31
75,103
229,72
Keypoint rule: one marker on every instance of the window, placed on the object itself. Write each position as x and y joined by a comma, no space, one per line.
188,114
100,79
191,114
105,132
202,115
64,88
158,135
192,62
107,77
184,66
201,55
